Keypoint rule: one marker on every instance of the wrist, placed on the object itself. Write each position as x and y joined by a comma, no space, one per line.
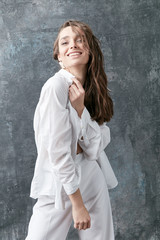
76,200
81,111
78,206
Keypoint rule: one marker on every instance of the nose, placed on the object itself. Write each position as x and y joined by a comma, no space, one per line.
73,45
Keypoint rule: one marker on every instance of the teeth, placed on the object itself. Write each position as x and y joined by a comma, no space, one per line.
72,54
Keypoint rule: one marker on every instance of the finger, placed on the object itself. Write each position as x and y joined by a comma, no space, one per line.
81,226
85,226
75,89
79,89
77,82
76,225
72,92
89,224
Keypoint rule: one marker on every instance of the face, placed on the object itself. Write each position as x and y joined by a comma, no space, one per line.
72,50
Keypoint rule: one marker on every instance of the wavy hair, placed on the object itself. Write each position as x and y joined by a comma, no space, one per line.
97,98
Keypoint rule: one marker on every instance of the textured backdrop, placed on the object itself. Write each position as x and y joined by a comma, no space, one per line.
129,32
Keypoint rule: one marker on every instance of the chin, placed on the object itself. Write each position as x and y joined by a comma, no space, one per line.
76,64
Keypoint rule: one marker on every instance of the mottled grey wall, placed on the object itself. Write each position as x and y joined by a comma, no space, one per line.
129,31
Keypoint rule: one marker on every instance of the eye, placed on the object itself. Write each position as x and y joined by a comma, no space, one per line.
79,40
64,43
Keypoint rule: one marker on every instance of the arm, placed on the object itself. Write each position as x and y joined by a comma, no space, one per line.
55,132
94,137
80,214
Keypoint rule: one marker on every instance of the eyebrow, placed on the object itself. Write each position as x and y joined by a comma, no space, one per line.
64,37
78,35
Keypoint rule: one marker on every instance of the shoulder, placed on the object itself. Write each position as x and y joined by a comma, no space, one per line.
56,87
56,82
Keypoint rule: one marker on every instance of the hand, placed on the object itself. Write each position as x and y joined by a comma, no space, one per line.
81,218
76,96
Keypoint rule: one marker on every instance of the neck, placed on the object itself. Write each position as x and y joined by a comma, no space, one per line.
79,73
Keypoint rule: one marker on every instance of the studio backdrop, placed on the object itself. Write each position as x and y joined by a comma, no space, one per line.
129,33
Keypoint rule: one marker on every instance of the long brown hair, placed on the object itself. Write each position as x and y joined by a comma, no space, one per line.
97,98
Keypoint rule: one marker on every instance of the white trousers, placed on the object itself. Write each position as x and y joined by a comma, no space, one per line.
48,223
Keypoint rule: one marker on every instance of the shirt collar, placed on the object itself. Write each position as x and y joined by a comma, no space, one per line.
67,74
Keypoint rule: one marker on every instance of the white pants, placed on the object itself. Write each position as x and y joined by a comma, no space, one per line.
48,223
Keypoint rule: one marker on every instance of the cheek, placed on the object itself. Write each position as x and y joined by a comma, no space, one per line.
87,56
63,52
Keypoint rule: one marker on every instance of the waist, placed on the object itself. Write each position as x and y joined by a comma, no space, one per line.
79,157
79,149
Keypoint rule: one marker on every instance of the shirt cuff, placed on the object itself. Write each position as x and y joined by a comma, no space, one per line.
72,186
87,133
69,188
59,200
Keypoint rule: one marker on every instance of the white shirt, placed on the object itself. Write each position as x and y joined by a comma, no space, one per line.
58,128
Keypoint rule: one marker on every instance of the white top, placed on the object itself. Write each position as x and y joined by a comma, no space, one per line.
57,128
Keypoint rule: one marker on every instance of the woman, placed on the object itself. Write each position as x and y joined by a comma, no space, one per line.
71,135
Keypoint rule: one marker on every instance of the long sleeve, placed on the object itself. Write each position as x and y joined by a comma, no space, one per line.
55,132
94,137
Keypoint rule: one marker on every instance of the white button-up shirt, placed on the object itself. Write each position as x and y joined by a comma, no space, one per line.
58,128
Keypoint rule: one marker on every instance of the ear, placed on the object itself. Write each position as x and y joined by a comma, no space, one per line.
59,58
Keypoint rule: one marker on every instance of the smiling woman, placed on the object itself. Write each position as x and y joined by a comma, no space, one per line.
72,173
81,38
72,49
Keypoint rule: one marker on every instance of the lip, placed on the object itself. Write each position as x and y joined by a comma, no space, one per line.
74,52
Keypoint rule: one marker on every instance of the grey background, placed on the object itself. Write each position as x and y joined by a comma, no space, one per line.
129,31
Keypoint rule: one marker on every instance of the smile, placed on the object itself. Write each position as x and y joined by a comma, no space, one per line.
74,54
